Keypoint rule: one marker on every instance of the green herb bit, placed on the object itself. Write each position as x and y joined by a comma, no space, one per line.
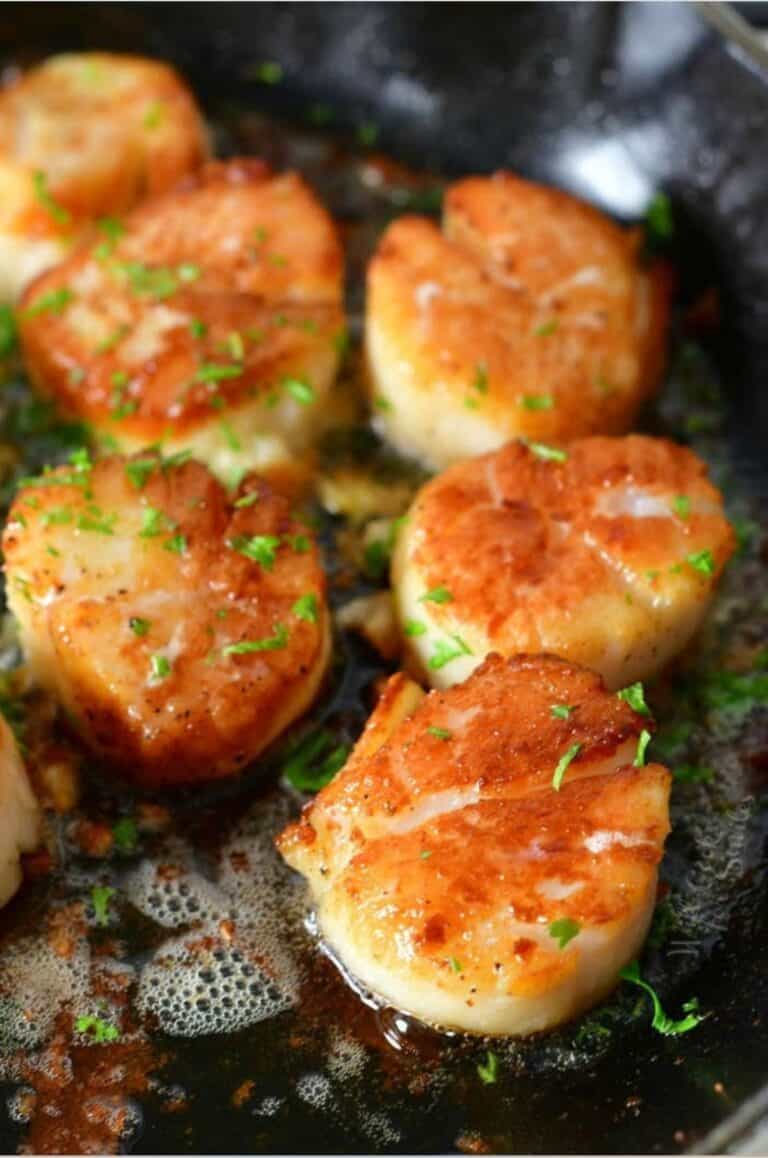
480,381
425,854
659,223
216,372
306,608
383,404
564,930
153,522
701,561
299,390
146,281
177,544
247,500
160,667
8,332
236,346
53,302
663,1024
547,453
537,402
57,517
113,340
454,964
367,134
436,595
488,1071
175,460
59,214
561,711
139,626
232,441
140,470
298,543
413,627
154,115
266,72
634,695
112,228
440,733
643,741
447,650
95,520
314,761
693,774
262,549
681,505
563,764
125,835
341,343
271,643
545,329
98,1030
100,898
197,328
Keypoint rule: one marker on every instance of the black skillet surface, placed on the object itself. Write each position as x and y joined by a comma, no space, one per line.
611,101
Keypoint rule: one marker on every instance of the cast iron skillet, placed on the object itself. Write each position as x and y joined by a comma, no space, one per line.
611,101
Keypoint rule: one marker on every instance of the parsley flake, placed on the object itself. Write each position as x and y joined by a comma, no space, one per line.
564,930
299,390
701,561
561,711
562,765
488,1071
139,626
440,733
413,627
59,214
548,453
643,741
661,1022
160,667
271,643
436,595
681,505
262,549
98,1030
306,608
100,898
634,695
447,650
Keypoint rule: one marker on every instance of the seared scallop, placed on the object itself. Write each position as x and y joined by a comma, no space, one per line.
84,135
529,313
209,319
180,630
487,860
20,828
607,554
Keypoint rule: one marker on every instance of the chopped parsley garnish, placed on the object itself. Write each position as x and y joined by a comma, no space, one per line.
113,229
561,711
447,650
681,505
98,1030
153,522
454,964
693,774
306,608
545,329
125,835
140,470
383,404
54,302
440,733
314,761
436,595
480,381
413,627
266,72
139,626
100,898
232,441
298,543
701,561
8,333
547,453
564,930
95,520
299,390
659,223
247,500
160,667
216,372
537,402
643,741
367,134
59,214
197,328
236,346
425,854
154,114
177,544
488,1071
562,765
635,697
662,1023
146,281
262,549
270,643
188,271
113,340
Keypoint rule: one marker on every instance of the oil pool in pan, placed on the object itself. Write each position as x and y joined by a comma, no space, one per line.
162,981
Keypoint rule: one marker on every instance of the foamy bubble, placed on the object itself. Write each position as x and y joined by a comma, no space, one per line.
36,983
315,1089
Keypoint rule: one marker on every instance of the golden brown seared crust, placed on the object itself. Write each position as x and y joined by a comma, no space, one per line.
218,304
181,630
608,557
440,859
530,313
20,819
106,130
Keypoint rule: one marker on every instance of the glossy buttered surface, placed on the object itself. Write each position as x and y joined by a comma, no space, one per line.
181,629
606,552
487,858
528,313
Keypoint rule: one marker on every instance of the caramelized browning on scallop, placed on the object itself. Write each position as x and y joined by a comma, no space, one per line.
180,630
82,136
530,313
607,553
209,318
20,822
489,862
